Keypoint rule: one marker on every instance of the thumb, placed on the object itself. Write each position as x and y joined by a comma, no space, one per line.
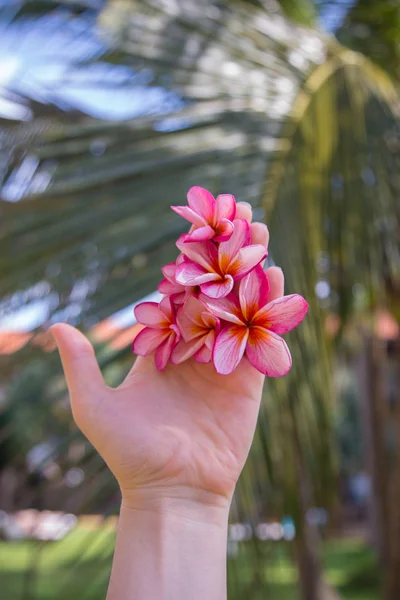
84,379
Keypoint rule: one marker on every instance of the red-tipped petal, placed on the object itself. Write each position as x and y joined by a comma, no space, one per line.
178,298
223,231
148,340
218,289
168,271
228,251
190,273
284,314
202,253
167,308
168,288
190,215
246,260
229,348
163,352
253,292
185,350
204,355
202,202
268,352
201,234
226,207
227,309
149,314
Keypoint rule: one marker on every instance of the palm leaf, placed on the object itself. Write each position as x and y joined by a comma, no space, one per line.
270,111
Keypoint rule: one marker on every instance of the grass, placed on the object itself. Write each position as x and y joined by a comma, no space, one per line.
351,568
79,567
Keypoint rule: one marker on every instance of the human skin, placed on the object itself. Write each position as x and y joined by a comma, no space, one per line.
176,441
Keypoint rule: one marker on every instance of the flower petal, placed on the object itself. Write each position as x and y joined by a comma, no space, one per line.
246,260
167,308
178,298
210,321
168,288
190,320
204,355
168,271
284,314
163,352
253,292
149,314
190,215
148,340
229,348
228,250
218,289
223,231
191,273
203,253
184,350
199,235
202,202
268,352
210,339
226,207
227,308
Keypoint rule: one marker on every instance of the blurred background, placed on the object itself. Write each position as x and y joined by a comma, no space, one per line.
109,112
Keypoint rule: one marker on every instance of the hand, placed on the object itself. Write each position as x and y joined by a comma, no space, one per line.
182,433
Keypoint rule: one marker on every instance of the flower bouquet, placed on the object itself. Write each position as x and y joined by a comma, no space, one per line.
215,305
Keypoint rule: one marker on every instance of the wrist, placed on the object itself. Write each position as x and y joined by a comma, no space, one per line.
186,503
170,544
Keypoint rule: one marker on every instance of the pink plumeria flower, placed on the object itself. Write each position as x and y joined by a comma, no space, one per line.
170,287
214,268
254,327
211,218
161,333
199,329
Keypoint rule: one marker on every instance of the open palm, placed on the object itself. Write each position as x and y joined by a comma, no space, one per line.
185,431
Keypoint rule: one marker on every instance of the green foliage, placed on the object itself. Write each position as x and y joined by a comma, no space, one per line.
308,137
83,568
373,28
300,11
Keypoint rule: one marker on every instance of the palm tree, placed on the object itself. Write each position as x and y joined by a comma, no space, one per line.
248,102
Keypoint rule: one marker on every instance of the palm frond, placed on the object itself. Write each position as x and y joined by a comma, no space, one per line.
276,114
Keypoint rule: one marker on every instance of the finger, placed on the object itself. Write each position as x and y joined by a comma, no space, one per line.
259,234
84,379
141,363
244,211
276,283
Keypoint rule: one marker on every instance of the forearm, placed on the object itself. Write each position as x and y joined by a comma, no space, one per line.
171,549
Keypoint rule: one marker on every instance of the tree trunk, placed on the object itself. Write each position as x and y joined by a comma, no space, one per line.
309,568
382,417
373,419
306,542
391,572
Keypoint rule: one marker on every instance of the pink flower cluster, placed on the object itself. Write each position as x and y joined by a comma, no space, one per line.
215,305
